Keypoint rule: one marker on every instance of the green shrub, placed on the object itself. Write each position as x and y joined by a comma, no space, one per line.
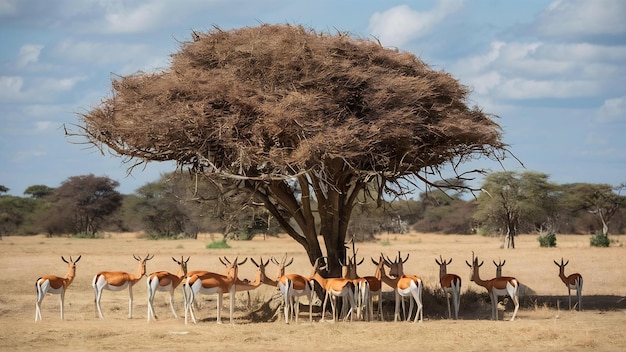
385,243
549,240
600,240
221,244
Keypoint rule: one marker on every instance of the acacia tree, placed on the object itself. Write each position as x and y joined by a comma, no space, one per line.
603,201
38,191
512,202
293,117
81,204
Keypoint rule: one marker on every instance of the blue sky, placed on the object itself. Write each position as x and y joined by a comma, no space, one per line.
555,72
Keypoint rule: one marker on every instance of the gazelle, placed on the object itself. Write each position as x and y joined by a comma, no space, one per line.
409,286
396,268
334,287
363,289
451,284
117,281
497,286
212,283
292,287
261,278
280,265
499,266
573,282
55,285
381,277
166,282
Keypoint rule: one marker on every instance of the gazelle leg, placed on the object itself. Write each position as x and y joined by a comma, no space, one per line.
130,301
61,302
219,308
171,303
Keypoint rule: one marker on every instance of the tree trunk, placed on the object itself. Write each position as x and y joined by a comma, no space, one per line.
335,202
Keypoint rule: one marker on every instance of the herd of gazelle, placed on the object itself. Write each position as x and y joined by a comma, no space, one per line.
356,292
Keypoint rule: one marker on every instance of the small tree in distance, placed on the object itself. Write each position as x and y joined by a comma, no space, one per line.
301,121
38,191
513,202
81,204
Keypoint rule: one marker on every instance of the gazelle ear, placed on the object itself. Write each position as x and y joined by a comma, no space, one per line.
290,262
136,258
468,264
225,263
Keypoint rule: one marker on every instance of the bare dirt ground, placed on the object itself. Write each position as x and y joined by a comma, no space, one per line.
541,323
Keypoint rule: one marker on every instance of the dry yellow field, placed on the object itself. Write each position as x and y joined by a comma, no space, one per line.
539,326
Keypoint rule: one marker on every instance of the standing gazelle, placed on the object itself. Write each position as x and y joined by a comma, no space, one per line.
117,281
56,285
167,282
497,286
573,282
451,284
212,283
292,287
334,288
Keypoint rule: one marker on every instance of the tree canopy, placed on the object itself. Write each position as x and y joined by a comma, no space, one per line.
294,116
81,204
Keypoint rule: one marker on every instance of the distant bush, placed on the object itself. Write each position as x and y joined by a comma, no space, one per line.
221,244
600,240
83,235
548,240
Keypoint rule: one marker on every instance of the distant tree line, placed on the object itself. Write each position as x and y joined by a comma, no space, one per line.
178,205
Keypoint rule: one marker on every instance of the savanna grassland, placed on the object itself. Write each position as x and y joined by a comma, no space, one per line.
543,322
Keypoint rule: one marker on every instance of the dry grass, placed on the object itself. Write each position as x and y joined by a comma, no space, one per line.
540,326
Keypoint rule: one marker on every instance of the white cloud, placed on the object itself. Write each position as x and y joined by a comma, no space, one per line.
10,87
29,53
134,57
484,83
36,90
612,110
518,70
28,155
148,15
8,7
520,88
42,126
583,17
401,24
